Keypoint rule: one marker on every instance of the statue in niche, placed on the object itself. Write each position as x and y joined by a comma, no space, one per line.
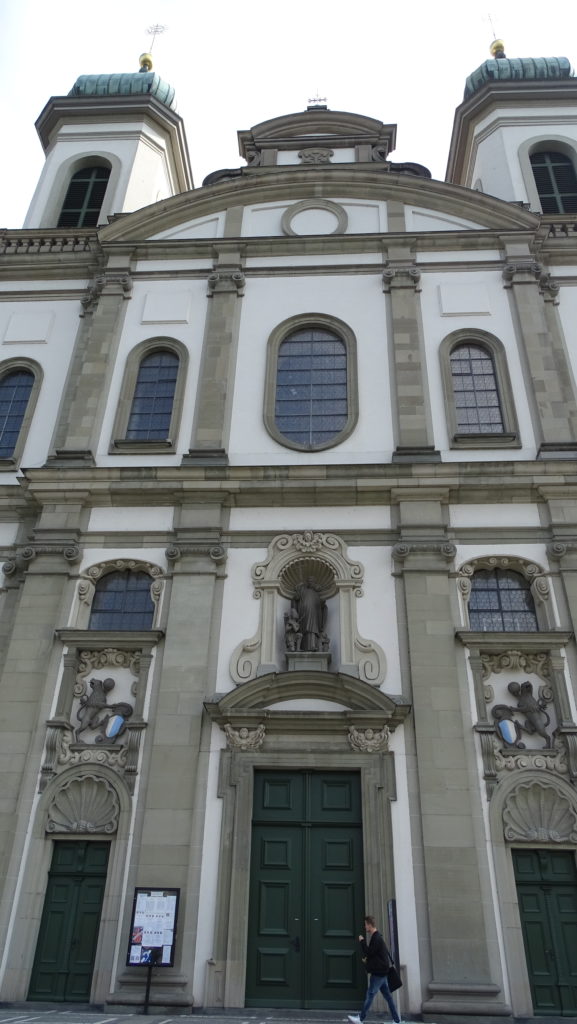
91,715
292,630
311,610
536,718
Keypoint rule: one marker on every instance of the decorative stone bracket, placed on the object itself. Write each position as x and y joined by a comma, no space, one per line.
225,281
531,272
108,283
70,552
403,276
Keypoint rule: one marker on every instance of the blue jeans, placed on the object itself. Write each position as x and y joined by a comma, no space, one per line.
379,983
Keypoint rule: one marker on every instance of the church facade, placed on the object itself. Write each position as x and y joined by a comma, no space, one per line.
288,519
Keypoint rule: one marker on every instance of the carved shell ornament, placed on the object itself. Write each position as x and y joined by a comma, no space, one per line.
536,812
86,804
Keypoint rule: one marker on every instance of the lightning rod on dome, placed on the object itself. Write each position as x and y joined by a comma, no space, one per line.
154,31
497,47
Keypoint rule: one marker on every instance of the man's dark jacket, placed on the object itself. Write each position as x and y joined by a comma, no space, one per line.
376,956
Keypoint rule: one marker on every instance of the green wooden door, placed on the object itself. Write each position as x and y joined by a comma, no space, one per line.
68,933
547,893
306,893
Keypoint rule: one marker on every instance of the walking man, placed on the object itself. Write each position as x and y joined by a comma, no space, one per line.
377,961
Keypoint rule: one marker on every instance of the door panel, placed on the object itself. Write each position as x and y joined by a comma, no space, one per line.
547,894
307,897
68,933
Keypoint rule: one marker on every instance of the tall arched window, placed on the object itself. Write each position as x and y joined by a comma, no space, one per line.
556,181
501,601
122,600
84,198
151,409
15,390
476,394
310,401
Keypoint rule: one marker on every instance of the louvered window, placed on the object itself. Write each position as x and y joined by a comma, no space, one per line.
84,198
311,406
151,410
476,395
15,390
556,182
122,601
501,601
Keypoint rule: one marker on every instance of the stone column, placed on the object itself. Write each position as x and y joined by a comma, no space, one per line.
217,371
462,940
413,427
548,374
86,392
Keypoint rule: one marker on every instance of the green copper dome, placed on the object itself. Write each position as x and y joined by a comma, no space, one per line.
517,69
140,83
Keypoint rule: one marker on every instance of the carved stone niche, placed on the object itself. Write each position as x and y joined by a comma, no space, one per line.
293,559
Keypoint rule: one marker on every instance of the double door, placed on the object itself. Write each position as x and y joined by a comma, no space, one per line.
306,892
547,894
68,935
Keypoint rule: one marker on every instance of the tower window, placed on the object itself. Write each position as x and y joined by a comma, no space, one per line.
84,198
556,182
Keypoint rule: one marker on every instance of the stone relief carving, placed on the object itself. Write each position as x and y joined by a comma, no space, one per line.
292,561
554,760
369,740
316,155
87,804
537,812
535,720
245,738
92,712
509,661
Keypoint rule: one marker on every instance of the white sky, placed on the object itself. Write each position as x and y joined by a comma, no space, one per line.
234,63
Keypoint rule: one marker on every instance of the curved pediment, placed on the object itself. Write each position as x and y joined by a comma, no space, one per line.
449,207
335,688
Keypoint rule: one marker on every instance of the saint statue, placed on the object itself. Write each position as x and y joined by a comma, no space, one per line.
312,614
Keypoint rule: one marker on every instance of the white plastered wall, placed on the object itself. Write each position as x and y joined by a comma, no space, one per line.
362,217
495,319
44,331
357,300
186,324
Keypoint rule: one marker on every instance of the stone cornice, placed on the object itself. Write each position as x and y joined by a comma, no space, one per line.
543,640
350,180
242,486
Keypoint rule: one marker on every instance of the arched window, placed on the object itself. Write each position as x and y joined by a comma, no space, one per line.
478,395
475,390
151,398
151,409
311,395
501,601
122,600
15,390
556,181
84,198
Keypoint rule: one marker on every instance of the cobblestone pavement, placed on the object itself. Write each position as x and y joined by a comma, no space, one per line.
27,1014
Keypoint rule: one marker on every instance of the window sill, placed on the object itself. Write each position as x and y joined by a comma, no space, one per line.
95,639
125,447
485,441
8,464
540,640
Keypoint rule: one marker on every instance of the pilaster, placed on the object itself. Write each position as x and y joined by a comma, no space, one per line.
413,428
462,934
86,392
225,288
544,353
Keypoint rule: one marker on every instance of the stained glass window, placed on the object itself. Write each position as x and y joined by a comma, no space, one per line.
15,389
475,391
501,601
151,410
311,405
122,601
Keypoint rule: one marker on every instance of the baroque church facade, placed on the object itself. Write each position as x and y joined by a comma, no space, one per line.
288,519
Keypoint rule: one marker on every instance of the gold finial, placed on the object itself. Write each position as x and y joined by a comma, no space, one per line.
497,49
145,61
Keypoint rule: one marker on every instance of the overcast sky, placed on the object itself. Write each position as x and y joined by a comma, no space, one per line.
234,63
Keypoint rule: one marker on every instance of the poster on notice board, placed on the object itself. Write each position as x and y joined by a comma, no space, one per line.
153,927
